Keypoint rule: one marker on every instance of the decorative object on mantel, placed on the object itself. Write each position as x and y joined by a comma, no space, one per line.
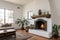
48,15
33,14
43,15
39,12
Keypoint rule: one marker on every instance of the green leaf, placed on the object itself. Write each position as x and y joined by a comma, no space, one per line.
22,21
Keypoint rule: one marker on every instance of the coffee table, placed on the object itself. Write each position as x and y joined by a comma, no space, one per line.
7,31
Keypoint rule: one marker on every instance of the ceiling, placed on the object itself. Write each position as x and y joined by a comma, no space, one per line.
21,2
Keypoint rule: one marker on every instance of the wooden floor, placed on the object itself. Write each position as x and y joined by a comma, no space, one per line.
35,37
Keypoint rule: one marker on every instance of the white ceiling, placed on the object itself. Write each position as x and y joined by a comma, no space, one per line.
21,2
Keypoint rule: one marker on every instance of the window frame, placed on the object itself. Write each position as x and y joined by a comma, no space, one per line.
4,19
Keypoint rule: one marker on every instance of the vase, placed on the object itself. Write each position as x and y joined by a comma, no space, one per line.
39,12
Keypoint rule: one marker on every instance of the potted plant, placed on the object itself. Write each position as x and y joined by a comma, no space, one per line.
55,29
22,22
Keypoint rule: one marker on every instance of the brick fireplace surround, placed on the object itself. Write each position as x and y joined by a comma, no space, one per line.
40,32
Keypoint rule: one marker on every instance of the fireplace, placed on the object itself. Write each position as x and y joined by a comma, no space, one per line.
41,24
42,27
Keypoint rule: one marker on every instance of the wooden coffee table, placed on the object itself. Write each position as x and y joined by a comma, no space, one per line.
7,32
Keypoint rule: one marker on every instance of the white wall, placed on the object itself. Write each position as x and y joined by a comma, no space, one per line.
11,6
35,6
55,9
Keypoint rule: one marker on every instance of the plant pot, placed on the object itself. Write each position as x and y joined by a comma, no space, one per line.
22,28
55,36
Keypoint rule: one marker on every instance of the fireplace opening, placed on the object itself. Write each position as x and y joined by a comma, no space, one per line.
41,24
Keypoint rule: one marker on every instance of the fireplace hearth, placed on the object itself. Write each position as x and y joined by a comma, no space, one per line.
41,24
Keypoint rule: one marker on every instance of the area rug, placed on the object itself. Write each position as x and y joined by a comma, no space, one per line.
22,36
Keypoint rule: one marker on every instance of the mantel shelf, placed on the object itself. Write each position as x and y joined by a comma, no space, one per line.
44,15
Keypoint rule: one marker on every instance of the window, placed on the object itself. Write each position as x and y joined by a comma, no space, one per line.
6,16
2,16
9,16
30,13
